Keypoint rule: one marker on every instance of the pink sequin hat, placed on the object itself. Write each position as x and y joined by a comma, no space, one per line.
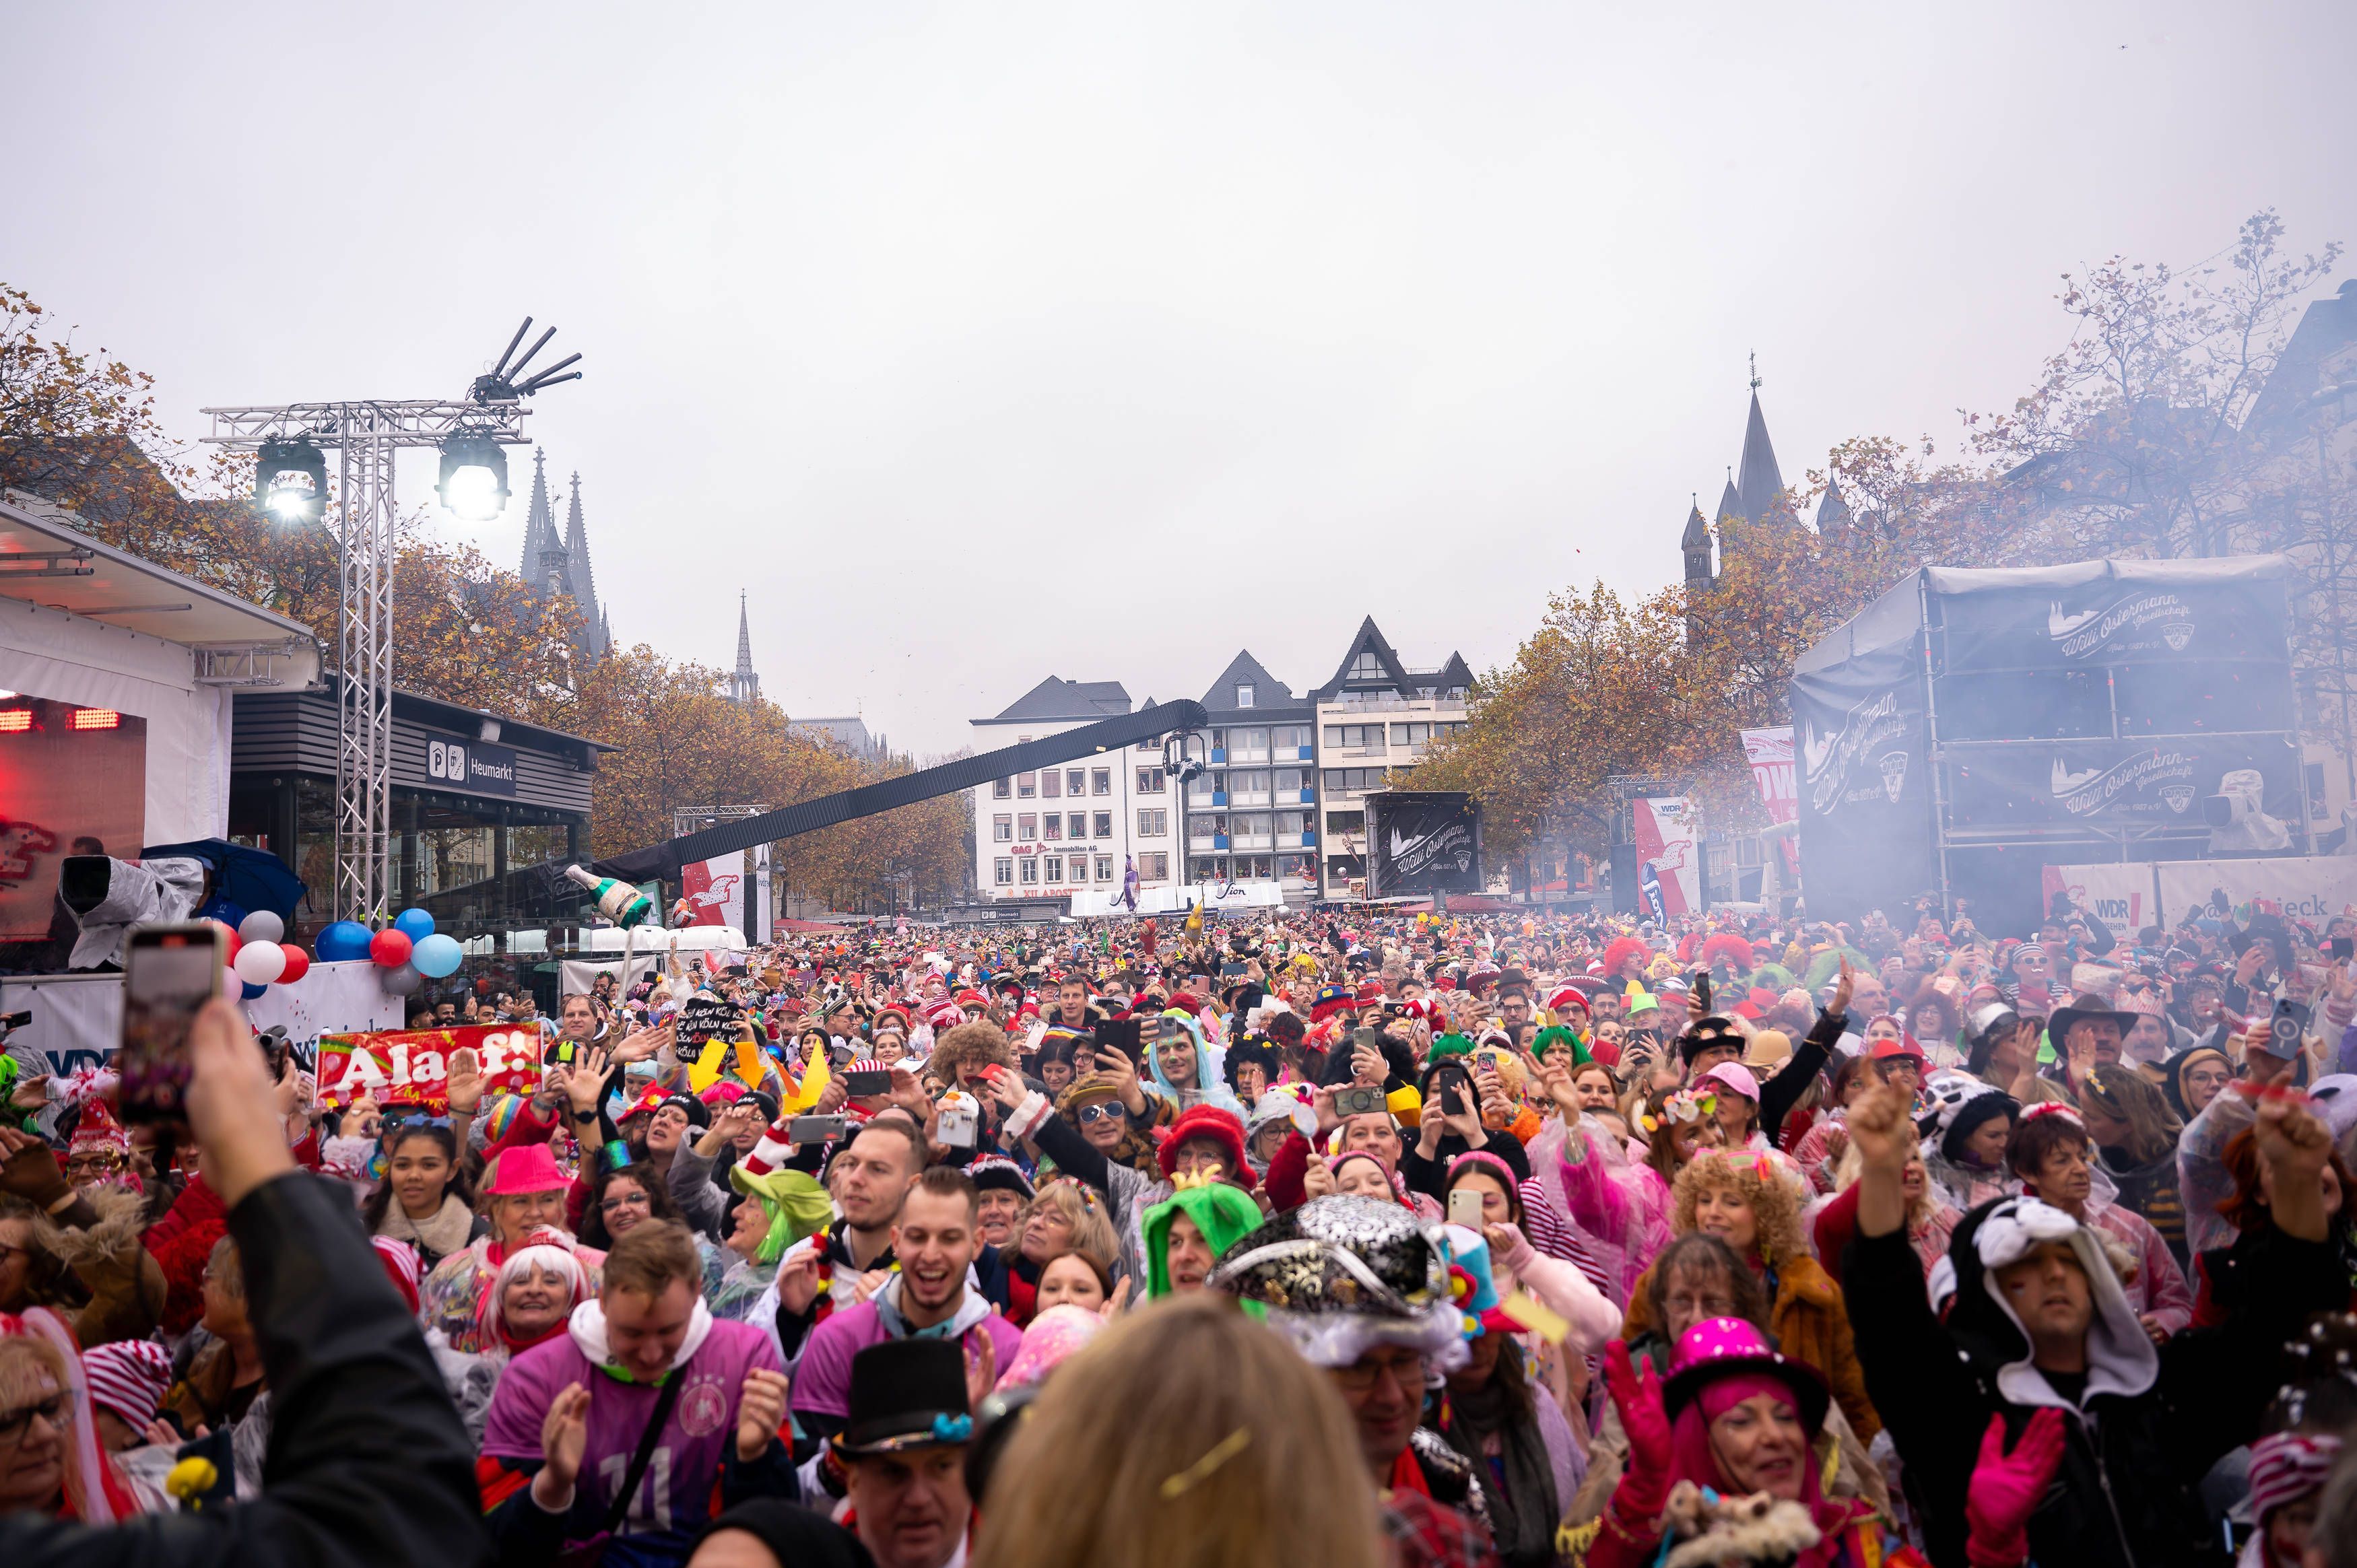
1720,1347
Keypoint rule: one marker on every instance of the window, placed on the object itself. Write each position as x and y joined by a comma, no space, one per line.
1075,780
1150,780
1025,786
1293,781
1208,868
1289,824
1448,727
1000,789
1031,868
1252,867
1154,867
1105,825
1250,824
1051,784
1203,824
1299,867
1054,869
1243,696
1351,781
1411,735
1253,782
1003,871
1368,666
1346,822
1251,740
1002,829
1100,781
1055,826
1027,827
1153,825
1355,737
1289,736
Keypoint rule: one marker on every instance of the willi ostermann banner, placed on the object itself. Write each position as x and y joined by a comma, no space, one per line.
1423,841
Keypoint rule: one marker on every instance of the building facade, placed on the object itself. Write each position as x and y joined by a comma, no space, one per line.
1251,816
1377,715
1061,830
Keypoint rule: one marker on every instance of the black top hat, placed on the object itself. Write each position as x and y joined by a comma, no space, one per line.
905,1394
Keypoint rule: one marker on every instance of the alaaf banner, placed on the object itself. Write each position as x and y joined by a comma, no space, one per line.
2113,784
412,1067
2110,620
1423,841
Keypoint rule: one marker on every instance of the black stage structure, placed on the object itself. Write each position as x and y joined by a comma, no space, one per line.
1970,726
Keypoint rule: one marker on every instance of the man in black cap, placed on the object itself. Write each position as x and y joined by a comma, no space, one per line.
902,1451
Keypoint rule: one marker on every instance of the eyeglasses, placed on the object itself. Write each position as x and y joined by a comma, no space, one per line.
624,1200
1112,1110
100,1160
15,1424
1360,1376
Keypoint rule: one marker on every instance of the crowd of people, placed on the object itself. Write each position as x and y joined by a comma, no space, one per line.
1317,1237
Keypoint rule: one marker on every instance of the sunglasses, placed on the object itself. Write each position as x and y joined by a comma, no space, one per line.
1109,1111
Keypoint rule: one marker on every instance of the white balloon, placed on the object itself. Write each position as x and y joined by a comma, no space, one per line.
260,963
262,926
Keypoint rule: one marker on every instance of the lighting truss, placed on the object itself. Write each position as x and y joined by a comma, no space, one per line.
369,433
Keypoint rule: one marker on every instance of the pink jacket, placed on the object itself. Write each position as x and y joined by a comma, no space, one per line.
1564,1290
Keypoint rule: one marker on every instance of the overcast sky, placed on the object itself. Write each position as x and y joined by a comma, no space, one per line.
981,343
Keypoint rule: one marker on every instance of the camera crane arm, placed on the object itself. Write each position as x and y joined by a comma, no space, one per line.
1163,720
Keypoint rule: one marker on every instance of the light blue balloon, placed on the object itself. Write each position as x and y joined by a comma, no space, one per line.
435,955
414,924
342,941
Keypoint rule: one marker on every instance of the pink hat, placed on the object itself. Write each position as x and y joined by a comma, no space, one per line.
129,1377
401,1266
1724,1347
524,1169
1047,1340
1736,1079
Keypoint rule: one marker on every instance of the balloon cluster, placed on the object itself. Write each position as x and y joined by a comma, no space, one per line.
407,954
260,956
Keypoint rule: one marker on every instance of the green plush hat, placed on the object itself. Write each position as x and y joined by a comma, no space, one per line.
1556,1038
796,1204
1825,967
1447,1046
1220,1211
1772,977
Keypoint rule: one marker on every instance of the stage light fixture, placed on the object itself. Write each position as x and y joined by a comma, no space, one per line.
96,718
474,478
290,480
15,721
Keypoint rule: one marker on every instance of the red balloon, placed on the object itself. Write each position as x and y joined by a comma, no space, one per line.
231,940
297,963
390,948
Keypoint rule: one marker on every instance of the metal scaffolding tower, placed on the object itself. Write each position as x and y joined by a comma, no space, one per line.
369,433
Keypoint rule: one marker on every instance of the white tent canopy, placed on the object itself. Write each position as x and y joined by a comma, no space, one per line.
139,639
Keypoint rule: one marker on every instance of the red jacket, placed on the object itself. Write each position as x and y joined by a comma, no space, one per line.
181,1242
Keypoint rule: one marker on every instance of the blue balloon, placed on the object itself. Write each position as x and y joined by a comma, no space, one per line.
414,924
342,942
252,989
435,955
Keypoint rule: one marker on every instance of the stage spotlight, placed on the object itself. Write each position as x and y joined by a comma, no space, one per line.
290,481
474,478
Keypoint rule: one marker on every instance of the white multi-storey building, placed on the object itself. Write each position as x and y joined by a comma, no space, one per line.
1376,714
1072,829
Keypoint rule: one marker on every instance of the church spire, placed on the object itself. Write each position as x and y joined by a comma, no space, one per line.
743,684
539,524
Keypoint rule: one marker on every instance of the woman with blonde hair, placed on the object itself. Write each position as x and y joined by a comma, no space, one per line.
1062,1217
51,1462
1751,1202
1259,1468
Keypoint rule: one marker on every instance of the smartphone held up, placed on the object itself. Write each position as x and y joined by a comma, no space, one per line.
168,972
